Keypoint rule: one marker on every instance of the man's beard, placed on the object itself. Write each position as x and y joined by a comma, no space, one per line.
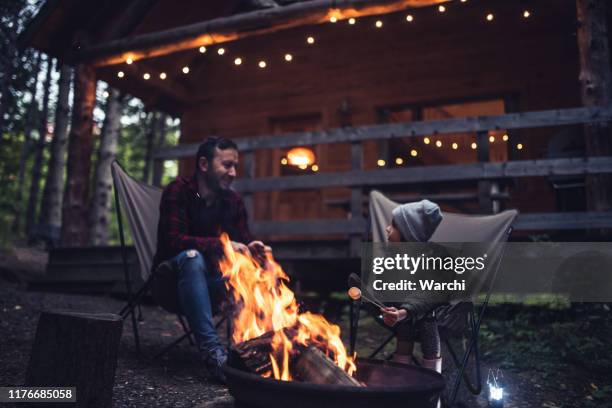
214,182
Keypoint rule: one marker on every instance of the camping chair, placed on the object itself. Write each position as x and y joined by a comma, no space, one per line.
489,229
140,203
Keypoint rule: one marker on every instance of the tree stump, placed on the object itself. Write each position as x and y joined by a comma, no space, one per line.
79,350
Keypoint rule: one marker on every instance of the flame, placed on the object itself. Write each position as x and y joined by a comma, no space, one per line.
264,303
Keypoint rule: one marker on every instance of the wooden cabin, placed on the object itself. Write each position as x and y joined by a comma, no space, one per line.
478,105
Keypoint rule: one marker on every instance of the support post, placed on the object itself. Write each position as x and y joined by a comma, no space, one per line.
356,198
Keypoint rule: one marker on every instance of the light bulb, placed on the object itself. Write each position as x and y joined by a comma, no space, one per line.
491,139
162,75
441,8
409,18
519,146
146,76
413,153
288,57
238,61
438,143
310,40
399,161
221,51
379,23
490,17
426,140
185,70
455,146
352,21
262,64
380,162
202,49
473,145
120,74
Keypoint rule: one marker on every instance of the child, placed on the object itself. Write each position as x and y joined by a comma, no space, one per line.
415,222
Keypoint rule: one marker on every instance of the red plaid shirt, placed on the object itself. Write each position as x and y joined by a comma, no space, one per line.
186,222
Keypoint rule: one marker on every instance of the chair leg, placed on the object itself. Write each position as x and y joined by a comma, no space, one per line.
186,330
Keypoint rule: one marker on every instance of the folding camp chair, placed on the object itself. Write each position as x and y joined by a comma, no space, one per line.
140,203
489,229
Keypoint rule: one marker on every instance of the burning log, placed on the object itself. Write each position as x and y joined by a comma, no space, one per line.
254,355
314,366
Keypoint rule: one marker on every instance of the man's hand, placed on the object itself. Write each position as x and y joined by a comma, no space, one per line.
392,315
258,250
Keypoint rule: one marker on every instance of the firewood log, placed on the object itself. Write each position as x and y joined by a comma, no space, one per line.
314,366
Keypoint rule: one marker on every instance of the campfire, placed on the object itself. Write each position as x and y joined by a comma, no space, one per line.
271,337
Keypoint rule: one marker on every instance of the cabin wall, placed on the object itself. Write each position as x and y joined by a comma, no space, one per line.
438,59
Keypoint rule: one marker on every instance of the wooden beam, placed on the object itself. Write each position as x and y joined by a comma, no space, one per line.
169,86
429,174
132,14
534,119
309,227
242,25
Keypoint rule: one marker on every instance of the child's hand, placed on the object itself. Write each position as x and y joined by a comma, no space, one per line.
392,315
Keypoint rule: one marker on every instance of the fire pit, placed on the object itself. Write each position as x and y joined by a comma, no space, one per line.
388,385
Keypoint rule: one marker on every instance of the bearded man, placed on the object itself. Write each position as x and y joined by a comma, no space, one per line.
194,212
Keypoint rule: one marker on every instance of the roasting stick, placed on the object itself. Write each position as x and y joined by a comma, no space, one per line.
355,293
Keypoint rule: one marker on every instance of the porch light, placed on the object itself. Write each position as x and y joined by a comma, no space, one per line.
162,76
288,57
490,17
146,76
310,40
300,156
202,49
221,51
455,146
120,74
409,18
441,8
379,23
352,21
426,140
380,163
185,70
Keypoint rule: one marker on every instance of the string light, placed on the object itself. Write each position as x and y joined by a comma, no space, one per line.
129,61
315,168
441,8
519,146
162,76
473,145
146,76
379,23
238,61
526,14
438,143
310,40
491,139
288,57
262,64
105,94
284,161
185,69
463,1
409,18
333,19
426,140
303,166
490,17
120,74
352,21
505,137
221,51
399,161
414,153
380,163
202,49
455,146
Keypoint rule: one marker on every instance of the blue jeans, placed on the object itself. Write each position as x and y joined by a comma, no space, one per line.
197,288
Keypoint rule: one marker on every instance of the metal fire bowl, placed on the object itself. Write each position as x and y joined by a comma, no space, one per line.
389,385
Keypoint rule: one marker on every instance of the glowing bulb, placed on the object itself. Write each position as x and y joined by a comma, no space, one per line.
380,162
426,140
473,145
379,23
463,1
519,146
221,51
129,61
284,161
414,153
120,74
505,137
352,21
310,40
441,8
491,139
262,64
438,143
185,70
315,168
399,161
105,94
490,17
162,75
455,146
202,49
146,76
288,57
409,18
238,61
496,393
333,19
526,14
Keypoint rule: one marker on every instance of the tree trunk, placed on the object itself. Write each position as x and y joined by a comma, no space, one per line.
158,165
51,205
596,87
80,145
150,138
25,148
9,70
74,349
101,200
38,158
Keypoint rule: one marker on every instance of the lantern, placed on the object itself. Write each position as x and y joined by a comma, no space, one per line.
301,157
